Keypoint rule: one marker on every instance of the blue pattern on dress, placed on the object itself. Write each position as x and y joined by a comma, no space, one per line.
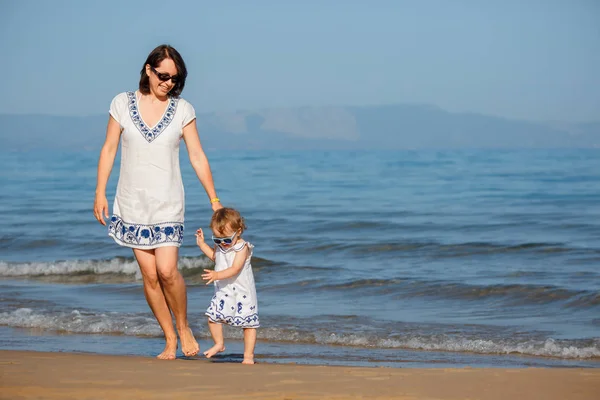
151,134
234,302
249,321
145,235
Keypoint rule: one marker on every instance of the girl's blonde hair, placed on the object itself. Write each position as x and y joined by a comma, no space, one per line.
227,217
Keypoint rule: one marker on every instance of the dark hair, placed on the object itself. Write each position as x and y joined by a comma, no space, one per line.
224,217
157,55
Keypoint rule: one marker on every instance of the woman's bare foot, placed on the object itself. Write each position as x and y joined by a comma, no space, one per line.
217,348
189,345
249,361
170,351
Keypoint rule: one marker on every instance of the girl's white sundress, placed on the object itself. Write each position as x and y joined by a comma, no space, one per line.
234,302
148,210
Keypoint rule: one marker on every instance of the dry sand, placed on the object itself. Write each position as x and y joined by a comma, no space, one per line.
36,375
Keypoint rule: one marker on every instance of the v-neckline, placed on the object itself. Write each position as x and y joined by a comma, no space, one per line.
151,133
139,110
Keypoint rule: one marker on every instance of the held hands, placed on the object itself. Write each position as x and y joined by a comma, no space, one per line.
210,276
216,205
101,208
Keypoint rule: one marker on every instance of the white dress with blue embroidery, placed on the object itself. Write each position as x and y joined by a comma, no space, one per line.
148,210
234,302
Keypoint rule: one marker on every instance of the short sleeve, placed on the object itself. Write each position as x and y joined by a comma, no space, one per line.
189,114
118,106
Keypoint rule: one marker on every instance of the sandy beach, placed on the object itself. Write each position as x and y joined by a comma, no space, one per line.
37,375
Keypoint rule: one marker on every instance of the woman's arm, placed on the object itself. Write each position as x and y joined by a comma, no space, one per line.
200,163
105,164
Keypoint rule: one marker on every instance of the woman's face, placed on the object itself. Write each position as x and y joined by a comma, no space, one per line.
162,77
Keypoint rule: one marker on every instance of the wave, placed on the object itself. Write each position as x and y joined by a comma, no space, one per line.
519,294
124,267
19,244
81,322
113,270
449,250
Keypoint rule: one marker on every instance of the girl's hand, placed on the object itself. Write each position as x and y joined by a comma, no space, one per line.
210,276
101,208
199,237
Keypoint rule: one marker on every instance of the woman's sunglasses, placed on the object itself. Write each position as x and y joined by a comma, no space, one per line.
165,77
224,240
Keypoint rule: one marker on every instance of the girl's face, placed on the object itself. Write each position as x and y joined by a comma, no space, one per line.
227,238
163,77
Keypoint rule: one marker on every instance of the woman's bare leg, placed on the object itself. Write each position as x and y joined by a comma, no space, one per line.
216,331
156,300
173,287
249,344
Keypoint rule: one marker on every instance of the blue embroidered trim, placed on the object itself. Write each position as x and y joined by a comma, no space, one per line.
145,235
151,134
215,315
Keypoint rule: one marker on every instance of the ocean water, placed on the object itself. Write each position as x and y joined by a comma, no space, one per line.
390,258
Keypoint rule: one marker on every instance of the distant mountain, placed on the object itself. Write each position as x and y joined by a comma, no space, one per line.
370,127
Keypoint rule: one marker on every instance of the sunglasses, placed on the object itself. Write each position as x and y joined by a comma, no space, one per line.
224,240
165,77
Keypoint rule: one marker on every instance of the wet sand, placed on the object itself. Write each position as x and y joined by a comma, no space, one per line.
37,375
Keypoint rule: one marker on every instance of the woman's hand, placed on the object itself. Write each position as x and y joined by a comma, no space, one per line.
101,208
199,237
210,276
216,206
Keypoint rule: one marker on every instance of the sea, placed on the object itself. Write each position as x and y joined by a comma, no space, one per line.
398,258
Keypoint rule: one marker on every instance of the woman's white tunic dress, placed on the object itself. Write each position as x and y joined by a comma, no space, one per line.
148,210
234,302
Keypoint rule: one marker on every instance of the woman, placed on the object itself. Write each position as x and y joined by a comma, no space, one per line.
148,211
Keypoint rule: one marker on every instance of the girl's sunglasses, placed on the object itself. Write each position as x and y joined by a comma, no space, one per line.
224,240
165,77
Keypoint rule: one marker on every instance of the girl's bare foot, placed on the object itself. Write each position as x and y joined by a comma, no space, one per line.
249,361
189,345
170,351
217,348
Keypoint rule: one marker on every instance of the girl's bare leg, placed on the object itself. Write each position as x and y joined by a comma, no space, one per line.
216,331
156,300
173,287
249,344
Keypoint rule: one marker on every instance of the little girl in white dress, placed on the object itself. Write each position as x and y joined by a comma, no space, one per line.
234,302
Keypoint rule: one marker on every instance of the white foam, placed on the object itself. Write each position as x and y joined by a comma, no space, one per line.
76,321
541,347
99,267
547,347
81,322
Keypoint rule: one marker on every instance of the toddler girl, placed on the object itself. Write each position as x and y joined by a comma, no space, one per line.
234,302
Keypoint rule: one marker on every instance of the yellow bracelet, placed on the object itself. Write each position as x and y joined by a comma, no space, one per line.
215,200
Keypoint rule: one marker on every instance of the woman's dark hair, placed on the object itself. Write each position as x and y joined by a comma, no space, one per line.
157,55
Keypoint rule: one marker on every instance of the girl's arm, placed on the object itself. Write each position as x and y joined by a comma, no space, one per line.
105,164
238,263
200,163
206,249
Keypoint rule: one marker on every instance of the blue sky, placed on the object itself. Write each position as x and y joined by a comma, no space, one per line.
530,59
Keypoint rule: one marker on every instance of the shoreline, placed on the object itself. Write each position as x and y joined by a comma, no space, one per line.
273,352
30,374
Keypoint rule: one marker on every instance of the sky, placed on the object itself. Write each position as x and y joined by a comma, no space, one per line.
526,59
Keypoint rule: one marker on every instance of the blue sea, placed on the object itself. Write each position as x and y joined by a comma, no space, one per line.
417,258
